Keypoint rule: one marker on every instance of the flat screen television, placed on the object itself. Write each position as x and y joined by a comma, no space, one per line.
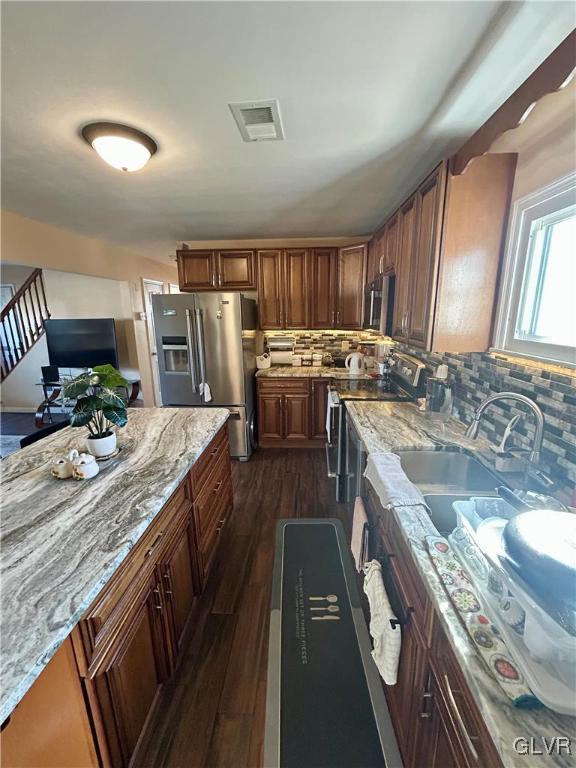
81,343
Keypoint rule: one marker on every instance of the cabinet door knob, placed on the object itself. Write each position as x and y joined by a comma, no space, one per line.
158,604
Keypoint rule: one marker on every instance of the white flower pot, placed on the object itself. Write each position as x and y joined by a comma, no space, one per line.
101,446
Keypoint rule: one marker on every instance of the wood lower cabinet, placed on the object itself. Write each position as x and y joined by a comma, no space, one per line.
291,412
51,726
178,574
92,703
296,417
435,717
128,681
230,270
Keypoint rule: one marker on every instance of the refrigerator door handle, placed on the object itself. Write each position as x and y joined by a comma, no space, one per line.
191,350
201,349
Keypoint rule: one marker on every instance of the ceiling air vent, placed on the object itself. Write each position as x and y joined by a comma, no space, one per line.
258,120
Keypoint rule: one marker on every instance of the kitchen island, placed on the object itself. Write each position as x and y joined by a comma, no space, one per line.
434,631
73,552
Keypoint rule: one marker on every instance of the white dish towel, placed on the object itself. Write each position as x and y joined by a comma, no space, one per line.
388,479
205,390
359,541
386,634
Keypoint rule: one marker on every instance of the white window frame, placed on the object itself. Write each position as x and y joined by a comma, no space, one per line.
554,197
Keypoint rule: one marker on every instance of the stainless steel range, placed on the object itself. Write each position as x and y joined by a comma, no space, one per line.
403,382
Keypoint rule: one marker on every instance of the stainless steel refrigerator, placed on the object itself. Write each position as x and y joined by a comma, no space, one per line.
206,346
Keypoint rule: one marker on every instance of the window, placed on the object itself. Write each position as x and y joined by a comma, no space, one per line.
537,308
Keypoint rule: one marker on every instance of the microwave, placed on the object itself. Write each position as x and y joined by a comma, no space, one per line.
379,304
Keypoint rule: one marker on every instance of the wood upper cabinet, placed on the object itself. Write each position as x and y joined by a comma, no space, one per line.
391,241
425,256
129,679
406,241
270,289
196,270
450,238
235,270
319,405
350,287
324,265
373,259
296,266
214,270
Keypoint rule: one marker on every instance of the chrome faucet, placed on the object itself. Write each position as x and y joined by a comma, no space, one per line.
472,431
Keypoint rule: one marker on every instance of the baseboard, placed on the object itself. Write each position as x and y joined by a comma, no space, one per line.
274,443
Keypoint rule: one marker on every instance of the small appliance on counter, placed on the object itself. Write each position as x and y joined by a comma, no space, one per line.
281,349
355,363
439,394
263,361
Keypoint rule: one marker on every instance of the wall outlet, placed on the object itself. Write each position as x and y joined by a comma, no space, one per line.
345,346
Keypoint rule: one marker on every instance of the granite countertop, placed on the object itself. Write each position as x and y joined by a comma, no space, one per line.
309,371
62,540
397,426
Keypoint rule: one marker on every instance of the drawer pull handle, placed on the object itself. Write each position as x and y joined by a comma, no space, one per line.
168,580
217,486
459,719
158,605
154,544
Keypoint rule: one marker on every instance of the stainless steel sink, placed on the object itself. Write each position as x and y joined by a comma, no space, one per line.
441,512
448,472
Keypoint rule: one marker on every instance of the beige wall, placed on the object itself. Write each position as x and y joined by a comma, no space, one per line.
36,244
73,296
545,142
15,274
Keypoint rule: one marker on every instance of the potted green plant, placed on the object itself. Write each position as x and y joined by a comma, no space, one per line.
98,407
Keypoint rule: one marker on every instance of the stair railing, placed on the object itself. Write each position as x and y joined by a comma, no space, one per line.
22,322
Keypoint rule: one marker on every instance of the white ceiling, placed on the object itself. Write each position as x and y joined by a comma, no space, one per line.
372,94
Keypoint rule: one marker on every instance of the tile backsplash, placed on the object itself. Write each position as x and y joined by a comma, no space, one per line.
324,341
476,375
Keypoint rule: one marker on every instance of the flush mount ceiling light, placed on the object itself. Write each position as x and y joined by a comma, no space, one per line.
121,146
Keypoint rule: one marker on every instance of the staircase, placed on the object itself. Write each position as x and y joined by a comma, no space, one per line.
22,322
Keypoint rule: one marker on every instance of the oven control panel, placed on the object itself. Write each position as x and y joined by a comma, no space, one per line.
407,368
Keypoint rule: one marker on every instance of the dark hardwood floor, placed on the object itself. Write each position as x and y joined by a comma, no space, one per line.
212,711
20,423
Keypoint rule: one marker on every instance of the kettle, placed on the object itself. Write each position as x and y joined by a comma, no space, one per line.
355,362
